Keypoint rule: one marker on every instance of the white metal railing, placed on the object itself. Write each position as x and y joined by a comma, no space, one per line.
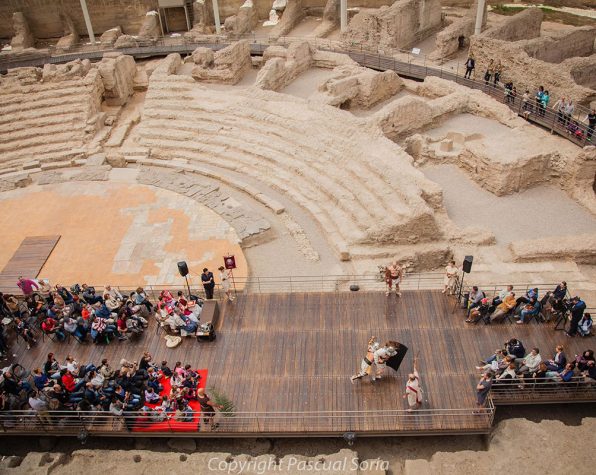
533,390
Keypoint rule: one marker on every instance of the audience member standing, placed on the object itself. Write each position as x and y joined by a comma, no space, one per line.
577,312
470,66
208,283
26,286
591,118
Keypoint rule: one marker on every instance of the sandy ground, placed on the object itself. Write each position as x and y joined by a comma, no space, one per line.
306,27
122,234
539,212
380,105
393,449
308,82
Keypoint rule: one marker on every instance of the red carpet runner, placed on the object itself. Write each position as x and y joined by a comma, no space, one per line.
145,425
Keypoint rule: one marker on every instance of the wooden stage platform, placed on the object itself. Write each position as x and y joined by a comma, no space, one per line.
285,360
27,261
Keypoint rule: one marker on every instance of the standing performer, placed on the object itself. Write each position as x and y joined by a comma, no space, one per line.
382,355
388,281
367,361
224,277
413,389
396,276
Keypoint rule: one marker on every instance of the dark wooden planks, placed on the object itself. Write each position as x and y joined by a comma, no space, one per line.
27,261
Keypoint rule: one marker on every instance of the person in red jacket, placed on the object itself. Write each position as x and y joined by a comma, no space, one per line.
69,382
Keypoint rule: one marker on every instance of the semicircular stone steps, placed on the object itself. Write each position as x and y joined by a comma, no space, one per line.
360,187
43,120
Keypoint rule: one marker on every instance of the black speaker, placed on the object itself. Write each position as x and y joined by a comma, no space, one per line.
183,268
467,265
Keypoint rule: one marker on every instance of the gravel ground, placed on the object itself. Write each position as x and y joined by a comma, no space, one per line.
539,212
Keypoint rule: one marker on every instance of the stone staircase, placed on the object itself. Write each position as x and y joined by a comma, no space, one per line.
47,121
360,187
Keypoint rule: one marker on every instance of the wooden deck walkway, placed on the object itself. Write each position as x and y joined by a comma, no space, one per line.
27,261
288,357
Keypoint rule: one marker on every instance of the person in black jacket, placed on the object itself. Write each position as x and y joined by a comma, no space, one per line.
470,65
577,312
515,348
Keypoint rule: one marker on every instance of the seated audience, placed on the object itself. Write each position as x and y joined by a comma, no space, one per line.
584,327
507,305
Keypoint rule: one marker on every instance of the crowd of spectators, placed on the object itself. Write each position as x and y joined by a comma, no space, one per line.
563,108
505,304
79,312
514,364
131,391
86,315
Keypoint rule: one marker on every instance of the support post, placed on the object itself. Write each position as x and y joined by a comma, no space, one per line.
216,16
88,21
343,14
479,17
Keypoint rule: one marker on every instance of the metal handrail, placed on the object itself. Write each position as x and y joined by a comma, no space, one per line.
535,389
376,59
67,421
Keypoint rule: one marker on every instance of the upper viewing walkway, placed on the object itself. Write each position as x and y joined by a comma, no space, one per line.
403,63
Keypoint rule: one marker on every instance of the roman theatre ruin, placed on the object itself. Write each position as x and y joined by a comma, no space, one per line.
306,137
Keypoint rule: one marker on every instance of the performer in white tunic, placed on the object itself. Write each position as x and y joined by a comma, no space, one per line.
224,277
413,389
367,361
381,356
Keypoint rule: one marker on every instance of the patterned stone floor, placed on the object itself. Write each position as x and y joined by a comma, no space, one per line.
117,233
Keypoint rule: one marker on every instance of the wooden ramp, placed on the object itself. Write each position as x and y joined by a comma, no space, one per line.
27,261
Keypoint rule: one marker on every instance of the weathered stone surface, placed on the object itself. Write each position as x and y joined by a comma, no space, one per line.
229,65
98,173
71,35
18,180
50,178
244,21
202,56
140,81
202,17
126,41
330,19
459,31
293,13
110,36
150,28
396,26
279,72
247,223
117,73
579,248
523,69
23,38
96,160
522,26
355,86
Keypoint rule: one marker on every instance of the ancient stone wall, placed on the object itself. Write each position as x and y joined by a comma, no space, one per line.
117,72
448,40
397,26
577,42
44,16
129,14
48,115
355,86
523,25
525,71
283,65
228,65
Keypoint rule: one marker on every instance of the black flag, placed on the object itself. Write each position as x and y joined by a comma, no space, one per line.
395,361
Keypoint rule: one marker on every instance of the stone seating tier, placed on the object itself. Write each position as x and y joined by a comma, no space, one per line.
359,186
